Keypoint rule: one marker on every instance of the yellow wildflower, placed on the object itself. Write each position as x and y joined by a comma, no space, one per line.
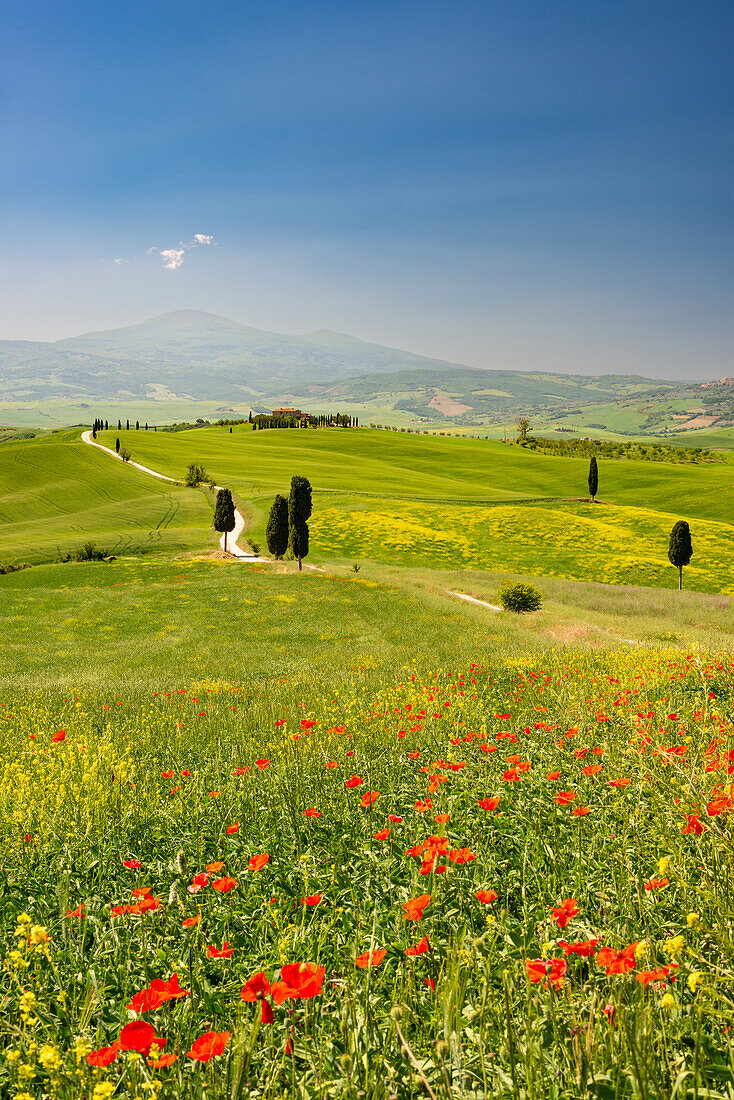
49,1058
668,1001
674,946
695,978
691,919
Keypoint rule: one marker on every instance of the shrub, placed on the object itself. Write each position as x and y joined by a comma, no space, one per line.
520,597
195,474
88,552
125,454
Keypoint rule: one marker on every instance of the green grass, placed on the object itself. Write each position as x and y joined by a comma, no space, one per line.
56,493
197,772
384,494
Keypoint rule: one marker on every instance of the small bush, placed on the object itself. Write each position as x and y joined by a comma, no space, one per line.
254,546
520,597
89,552
195,474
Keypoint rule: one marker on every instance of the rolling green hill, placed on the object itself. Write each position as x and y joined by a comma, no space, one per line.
413,500
469,503
56,492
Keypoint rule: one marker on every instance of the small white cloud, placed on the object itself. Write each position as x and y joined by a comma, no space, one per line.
203,238
172,257
119,260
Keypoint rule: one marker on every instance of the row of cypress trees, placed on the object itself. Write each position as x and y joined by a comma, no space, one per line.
287,527
287,523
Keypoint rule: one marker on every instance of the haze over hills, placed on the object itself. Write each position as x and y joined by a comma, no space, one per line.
192,354
200,356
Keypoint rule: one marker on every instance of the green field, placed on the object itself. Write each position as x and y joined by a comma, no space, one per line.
56,492
468,503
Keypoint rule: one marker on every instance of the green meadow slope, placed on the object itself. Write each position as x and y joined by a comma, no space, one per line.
466,503
56,492
420,501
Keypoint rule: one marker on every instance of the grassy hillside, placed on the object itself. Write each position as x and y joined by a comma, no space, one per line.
396,465
450,503
56,492
425,820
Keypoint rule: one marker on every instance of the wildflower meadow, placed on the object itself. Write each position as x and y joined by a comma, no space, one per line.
506,879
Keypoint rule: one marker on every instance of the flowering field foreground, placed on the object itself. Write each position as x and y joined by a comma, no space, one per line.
507,881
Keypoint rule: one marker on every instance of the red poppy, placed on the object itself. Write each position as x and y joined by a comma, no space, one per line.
312,899
368,798
619,782
223,952
419,948
591,769
224,885
159,993
566,911
191,921
584,949
208,1045
60,735
394,818
617,962
370,958
311,813
486,896
256,863
536,970
105,1056
441,819
580,811
693,825
552,776
257,988
563,798
661,975
353,781
131,864
262,764
383,834
139,1037
489,803
461,855
215,866
78,912
298,981
235,828
656,884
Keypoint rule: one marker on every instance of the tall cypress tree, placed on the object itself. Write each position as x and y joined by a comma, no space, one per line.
276,531
593,478
680,548
299,512
224,514
117,445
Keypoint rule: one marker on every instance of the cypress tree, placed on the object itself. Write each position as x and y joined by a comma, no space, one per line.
106,426
117,445
276,531
137,425
593,478
680,548
224,514
119,425
127,426
299,512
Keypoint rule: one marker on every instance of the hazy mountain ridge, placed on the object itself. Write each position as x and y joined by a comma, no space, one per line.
206,357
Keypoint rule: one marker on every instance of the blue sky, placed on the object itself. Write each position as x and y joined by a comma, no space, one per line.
522,184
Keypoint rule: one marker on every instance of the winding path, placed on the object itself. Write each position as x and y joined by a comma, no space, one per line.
239,522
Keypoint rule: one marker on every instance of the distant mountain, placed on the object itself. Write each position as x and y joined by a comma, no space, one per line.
192,354
196,355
